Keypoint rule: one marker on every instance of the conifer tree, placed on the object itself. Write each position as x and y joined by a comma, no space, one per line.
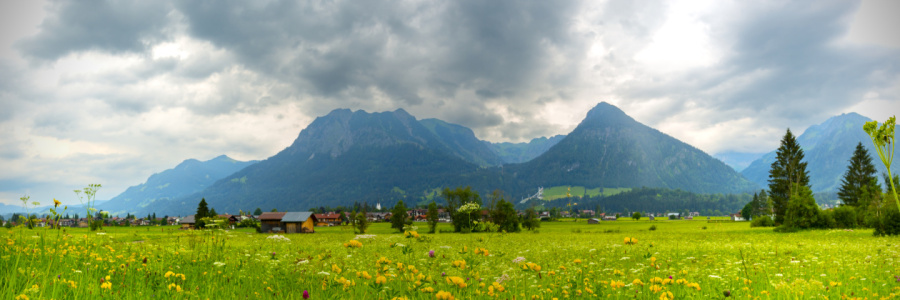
787,172
860,176
399,216
202,210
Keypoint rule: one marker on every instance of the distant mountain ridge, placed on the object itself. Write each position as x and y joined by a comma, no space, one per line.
610,149
827,148
190,176
355,156
512,153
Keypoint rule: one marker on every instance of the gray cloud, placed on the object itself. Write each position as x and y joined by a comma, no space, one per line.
111,26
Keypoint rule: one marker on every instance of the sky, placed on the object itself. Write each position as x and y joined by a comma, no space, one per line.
112,92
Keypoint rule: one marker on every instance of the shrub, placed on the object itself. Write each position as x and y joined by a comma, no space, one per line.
888,223
652,227
845,216
762,221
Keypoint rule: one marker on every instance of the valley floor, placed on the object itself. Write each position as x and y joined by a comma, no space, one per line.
569,259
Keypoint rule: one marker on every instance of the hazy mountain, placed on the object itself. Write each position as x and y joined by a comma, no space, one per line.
461,141
738,160
827,149
512,153
610,149
346,157
188,177
341,158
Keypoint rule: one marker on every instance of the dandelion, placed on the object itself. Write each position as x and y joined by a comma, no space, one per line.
56,203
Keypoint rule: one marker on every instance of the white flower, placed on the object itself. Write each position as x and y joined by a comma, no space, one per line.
101,233
218,264
77,271
714,276
324,273
779,275
625,258
518,260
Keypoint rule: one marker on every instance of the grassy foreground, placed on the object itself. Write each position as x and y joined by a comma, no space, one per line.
680,259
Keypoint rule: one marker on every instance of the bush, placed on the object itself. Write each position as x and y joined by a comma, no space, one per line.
826,220
762,221
845,217
652,227
249,223
888,223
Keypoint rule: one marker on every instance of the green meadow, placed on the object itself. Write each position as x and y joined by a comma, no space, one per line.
567,259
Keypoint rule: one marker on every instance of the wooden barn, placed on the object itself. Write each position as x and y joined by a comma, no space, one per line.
271,222
187,222
299,222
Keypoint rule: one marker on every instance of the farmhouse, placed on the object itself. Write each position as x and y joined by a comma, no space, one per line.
329,219
593,221
187,222
288,222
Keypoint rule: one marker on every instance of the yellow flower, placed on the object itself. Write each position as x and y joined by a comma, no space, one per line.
577,261
106,285
459,264
667,295
637,281
335,268
442,295
107,277
56,203
457,281
630,241
170,273
427,290
22,297
380,279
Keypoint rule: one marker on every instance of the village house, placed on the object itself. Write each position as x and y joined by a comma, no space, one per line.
187,222
737,217
329,219
287,222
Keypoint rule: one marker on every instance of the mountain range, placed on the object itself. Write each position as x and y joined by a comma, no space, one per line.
188,177
827,148
355,156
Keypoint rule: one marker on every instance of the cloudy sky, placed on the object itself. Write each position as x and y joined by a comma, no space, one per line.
111,92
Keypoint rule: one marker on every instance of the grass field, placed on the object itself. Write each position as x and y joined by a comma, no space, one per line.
569,259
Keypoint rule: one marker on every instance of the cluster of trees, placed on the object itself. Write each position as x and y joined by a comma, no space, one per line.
790,199
468,213
648,200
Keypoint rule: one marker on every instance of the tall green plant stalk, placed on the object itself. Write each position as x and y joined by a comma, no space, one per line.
883,138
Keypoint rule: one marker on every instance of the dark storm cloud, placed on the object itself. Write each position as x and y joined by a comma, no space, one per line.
110,26
402,49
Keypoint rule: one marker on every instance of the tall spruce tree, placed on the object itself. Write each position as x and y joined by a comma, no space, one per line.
860,176
787,172
202,210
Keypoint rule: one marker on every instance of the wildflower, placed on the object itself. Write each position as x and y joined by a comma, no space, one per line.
353,244
532,266
577,261
106,285
518,260
305,294
630,241
442,295
431,253
459,264
22,297
169,273
218,264
335,268
457,281
637,281
380,280
427,290
616,284
667,295
56,203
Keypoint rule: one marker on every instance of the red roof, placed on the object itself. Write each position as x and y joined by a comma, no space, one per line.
271,216
327,216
